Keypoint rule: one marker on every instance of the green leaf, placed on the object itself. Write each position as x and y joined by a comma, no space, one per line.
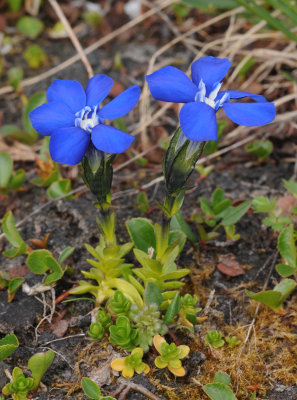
142,233
291,186
30,26
35,56
8,345
11,233
14,5
15,75
34,101
14,132
210,5
142,202
285,270
286,246
266,15
263,204
13,286
222,377
6,166
39,261
260,148
178,223
65,254
152,294
16,251
38,365
56,268
285,288
17,179
274,298
59,188
276,223
233,214
179,237
173,309
269,298
219,391
91,389
206,207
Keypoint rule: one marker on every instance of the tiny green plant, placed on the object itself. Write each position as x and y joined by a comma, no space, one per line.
20,385
260,148
170,355
122,334
131,364
92,390
214,339
98,328
232,341
35,56
217,213
275,219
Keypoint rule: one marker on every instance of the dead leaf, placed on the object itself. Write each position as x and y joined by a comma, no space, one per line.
18,151
228,265
286,202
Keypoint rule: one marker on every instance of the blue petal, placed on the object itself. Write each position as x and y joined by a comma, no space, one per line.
198,121
122,104
250,114
171,84
109,139
211,70
69,145
97,89
51,116
70,93
237,94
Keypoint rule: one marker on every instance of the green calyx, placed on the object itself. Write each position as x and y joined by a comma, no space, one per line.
98,173
122,334
179,161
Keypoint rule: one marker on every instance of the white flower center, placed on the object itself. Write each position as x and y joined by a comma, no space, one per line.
86,121
211,99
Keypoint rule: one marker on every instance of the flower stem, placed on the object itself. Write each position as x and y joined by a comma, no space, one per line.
106,223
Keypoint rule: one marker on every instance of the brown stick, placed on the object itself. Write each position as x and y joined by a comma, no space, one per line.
72,37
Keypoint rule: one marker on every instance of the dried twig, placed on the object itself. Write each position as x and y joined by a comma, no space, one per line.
72,37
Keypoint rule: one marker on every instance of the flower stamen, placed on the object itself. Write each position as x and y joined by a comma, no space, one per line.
85,122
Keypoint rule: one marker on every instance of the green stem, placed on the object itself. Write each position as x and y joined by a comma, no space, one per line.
106,223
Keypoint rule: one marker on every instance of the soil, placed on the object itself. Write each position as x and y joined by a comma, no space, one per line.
266,362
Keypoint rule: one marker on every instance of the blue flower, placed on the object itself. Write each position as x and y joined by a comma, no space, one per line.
203,99
72,118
